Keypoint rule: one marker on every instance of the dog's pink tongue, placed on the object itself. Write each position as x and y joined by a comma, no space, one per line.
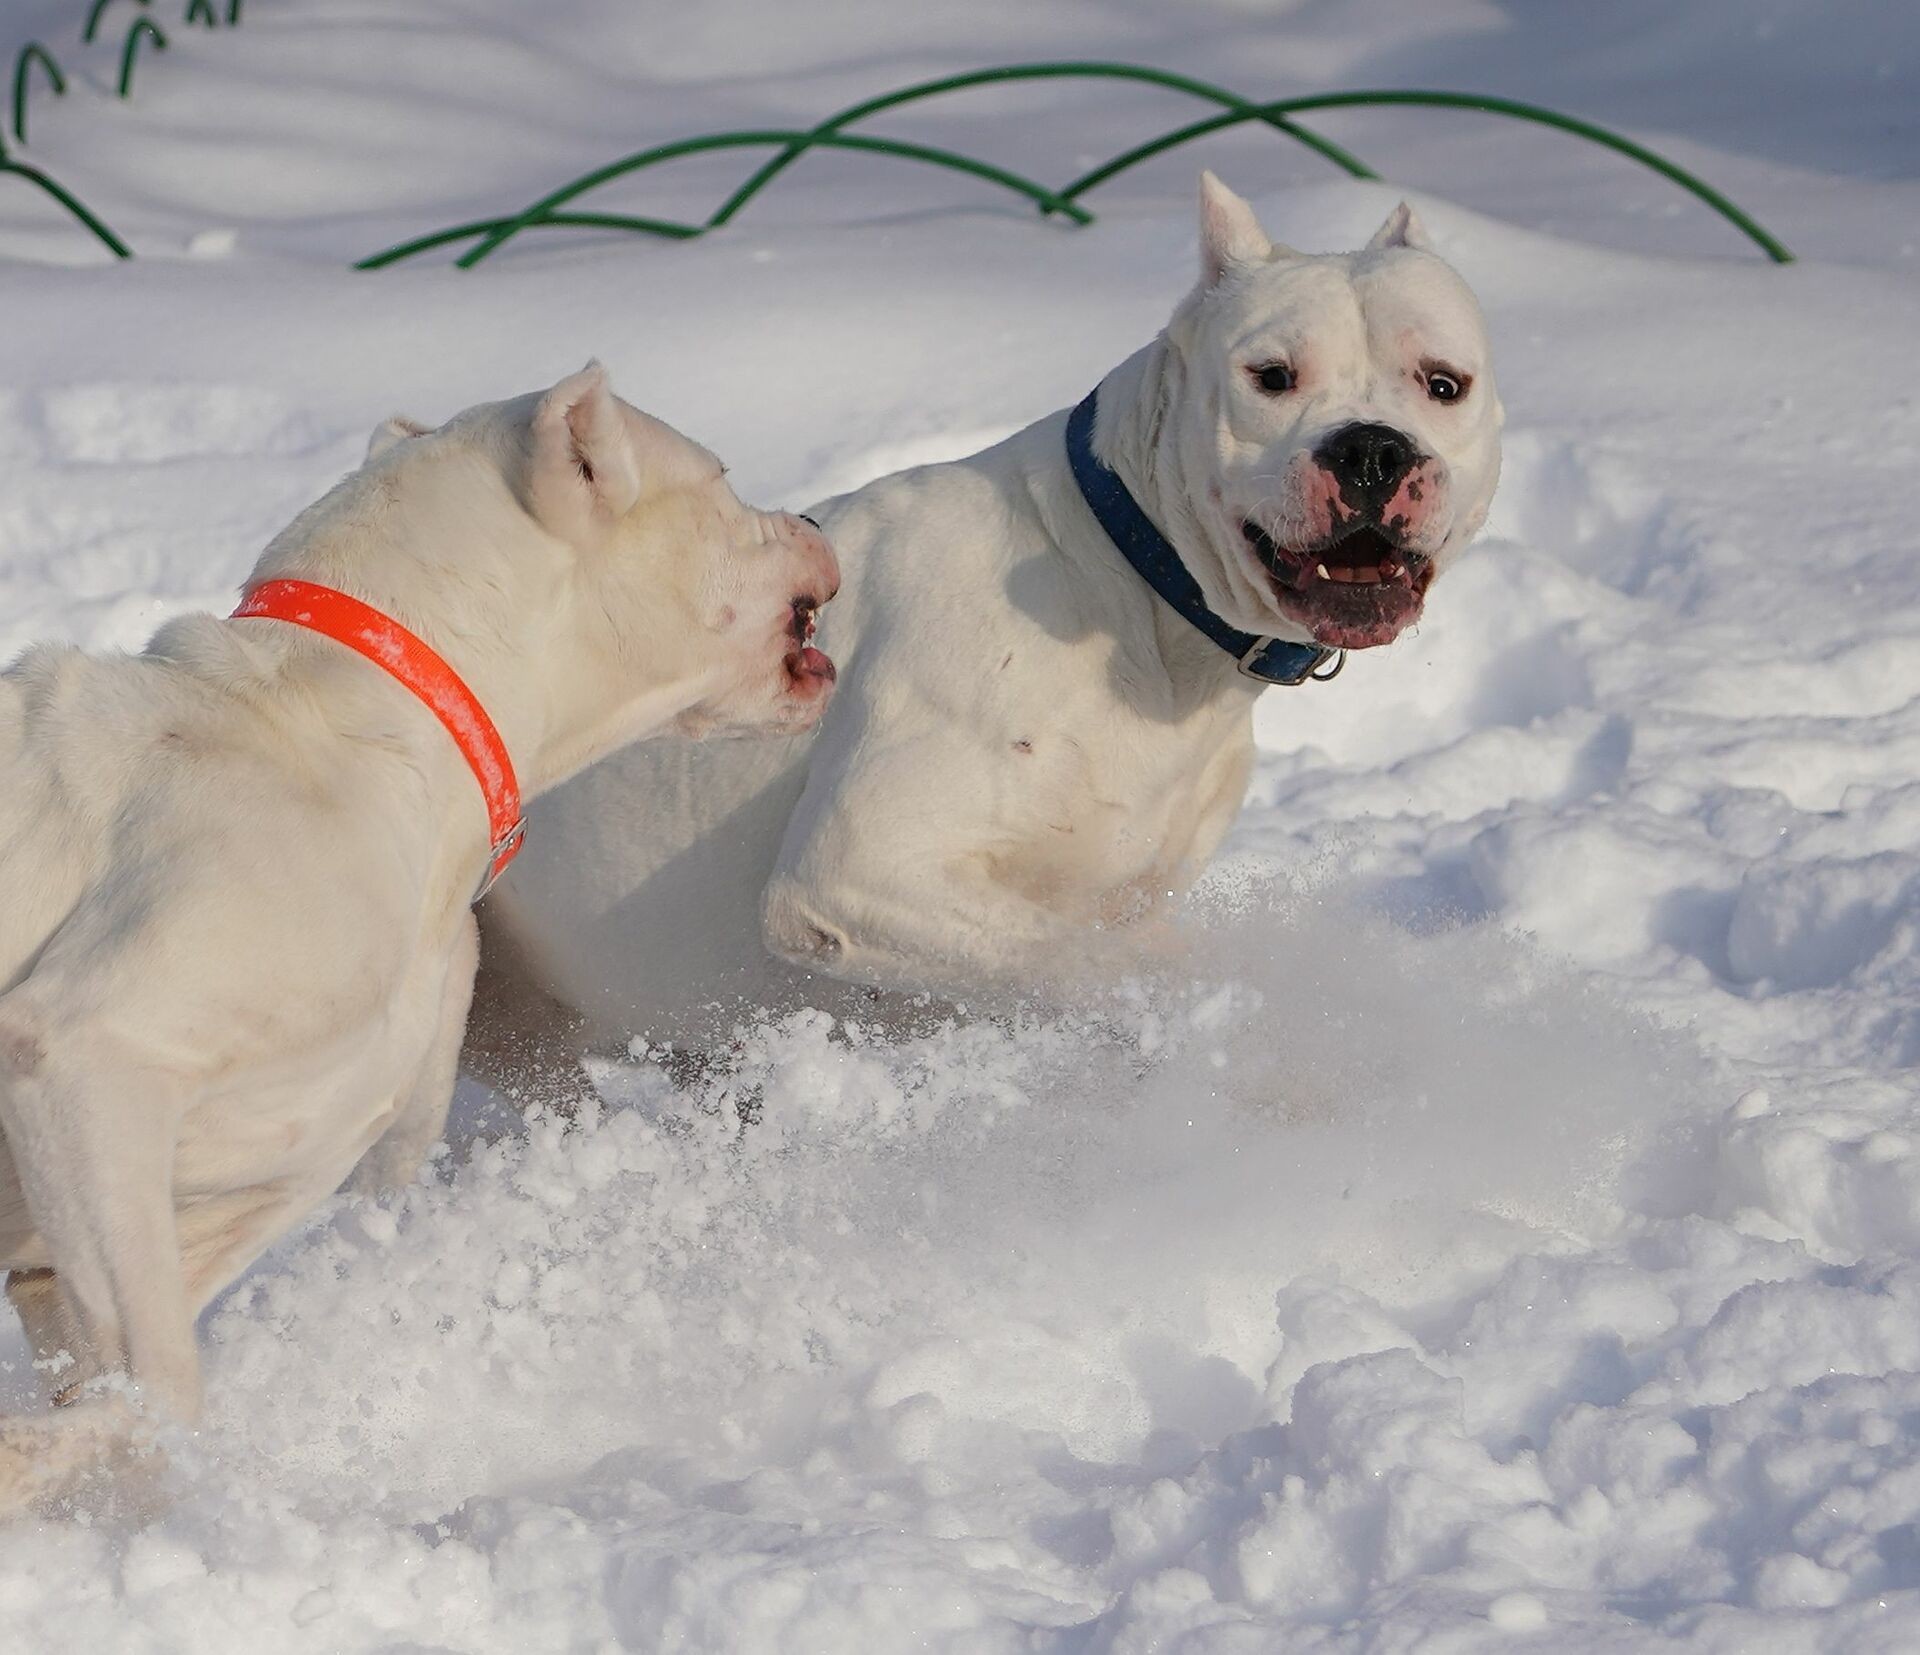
813,663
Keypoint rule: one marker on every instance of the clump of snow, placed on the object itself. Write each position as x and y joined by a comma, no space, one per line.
1500,1231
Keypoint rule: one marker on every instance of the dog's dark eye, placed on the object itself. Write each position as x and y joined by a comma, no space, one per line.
1273,378
1445,388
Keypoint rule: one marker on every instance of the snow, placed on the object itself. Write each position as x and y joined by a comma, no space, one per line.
1503,1232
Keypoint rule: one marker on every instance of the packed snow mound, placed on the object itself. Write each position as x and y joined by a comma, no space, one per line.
847,1292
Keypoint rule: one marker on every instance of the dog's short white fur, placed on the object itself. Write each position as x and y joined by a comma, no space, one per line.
236,941
1029,744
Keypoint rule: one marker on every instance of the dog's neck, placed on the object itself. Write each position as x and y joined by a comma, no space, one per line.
523,638
1137,441
521,623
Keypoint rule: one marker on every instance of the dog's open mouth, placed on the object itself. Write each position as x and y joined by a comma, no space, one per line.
1357,591
804,619
809,670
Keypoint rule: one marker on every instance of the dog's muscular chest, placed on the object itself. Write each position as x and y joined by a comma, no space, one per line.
1110,818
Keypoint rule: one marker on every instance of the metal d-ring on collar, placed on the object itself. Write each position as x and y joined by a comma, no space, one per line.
1270,660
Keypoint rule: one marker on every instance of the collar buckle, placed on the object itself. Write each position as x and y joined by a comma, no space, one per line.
503,851
1314,669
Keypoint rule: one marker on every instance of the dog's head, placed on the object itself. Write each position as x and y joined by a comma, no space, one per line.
1338,431
662,597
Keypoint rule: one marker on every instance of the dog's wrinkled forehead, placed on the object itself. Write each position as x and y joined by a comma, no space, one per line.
1341,318
1344,335
583,406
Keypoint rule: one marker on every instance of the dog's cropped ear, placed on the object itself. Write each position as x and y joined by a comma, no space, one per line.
1229,233
1401,229
583,468
389,432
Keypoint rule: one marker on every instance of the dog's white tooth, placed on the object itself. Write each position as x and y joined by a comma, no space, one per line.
1321,570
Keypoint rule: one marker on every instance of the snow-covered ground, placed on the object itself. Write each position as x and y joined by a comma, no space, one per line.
1513,1242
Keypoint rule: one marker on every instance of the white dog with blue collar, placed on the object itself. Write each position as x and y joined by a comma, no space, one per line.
1050,655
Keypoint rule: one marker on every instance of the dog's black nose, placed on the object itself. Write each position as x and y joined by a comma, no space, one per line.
1368,461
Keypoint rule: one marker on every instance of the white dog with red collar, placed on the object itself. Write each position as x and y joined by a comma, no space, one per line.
1037,735
236,871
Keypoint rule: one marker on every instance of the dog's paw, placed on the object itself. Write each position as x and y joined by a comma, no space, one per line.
95,1458
22,1478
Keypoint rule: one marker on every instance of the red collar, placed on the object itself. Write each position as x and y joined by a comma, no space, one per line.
397,652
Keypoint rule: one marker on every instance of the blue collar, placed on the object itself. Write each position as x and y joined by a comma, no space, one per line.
1271,660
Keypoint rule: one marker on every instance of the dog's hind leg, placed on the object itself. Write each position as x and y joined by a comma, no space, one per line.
422,1117
93,1145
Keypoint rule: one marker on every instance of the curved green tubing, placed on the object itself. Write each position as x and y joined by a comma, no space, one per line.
830,134
480,226
33,52
1774,249
30,54
1026,71
33,175
506,228
494,233
828,131
93,20
142,27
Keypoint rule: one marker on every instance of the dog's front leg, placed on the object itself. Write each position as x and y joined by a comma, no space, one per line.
941,925
944,931
890,875
394,1160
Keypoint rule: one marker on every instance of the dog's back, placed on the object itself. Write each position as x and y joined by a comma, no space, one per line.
46,843
42,852
82,739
